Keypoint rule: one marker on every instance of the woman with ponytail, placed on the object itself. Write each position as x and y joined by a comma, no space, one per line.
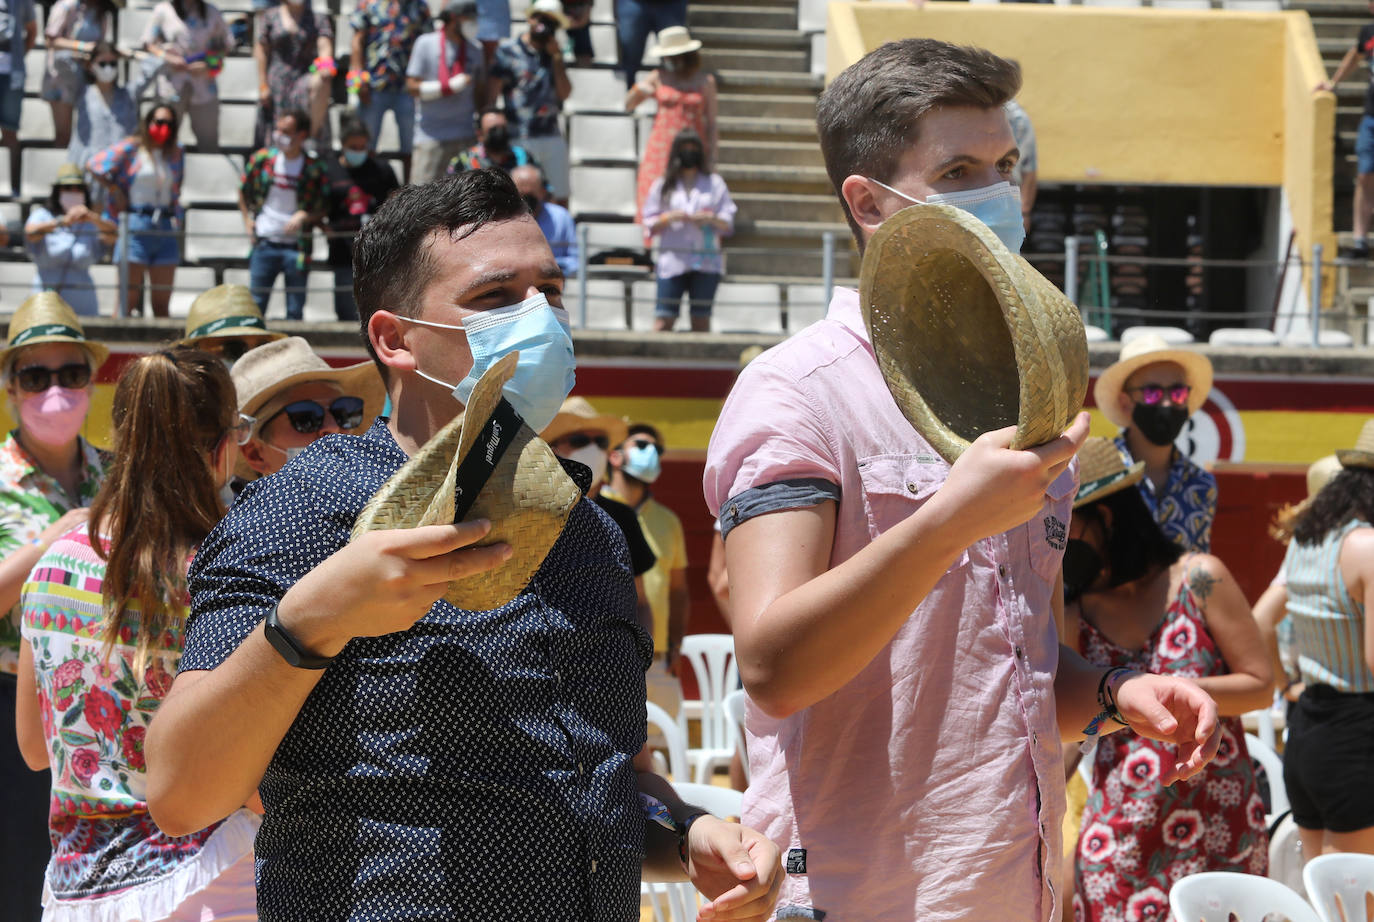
102,617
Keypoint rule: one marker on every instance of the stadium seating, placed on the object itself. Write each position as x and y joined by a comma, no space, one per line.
602,139
39,168
211,179
602,192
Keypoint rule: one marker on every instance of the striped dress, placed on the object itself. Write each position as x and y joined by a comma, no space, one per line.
1328,625
110,862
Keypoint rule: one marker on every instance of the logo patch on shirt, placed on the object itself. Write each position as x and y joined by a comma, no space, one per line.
796,861
1055,532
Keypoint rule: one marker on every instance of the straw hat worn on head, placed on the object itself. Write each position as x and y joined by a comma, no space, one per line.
1148,350
969,337
490,461
1362,455
1102,471
226,311
577,415
676,40
265,373
1320,472
69,174
46,318
552,9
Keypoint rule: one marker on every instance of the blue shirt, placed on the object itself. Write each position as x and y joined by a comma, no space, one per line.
15,16
557,225
476,766
63,259
1187,506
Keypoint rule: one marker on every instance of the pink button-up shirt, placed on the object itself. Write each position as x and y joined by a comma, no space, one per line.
931,786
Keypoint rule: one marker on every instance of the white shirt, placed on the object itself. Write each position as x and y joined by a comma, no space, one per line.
152,185
281,200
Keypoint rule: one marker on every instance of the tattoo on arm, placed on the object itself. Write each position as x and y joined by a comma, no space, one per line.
1201,582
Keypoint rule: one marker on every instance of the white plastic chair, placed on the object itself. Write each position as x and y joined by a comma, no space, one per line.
211,179
806,304
1338,886
713,661
1096,334
1265,755
734,716
1242,336
1216,896
1174,336
607,191
660,719
747,307
678,901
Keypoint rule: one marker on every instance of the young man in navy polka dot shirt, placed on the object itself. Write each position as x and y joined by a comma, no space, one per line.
444,764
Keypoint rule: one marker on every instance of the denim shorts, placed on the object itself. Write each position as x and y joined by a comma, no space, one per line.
149,249
11,102
1364,144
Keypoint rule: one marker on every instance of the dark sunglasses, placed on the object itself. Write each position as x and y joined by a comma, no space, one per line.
162,121
38,378
307,416
582,440
231,349
1151,394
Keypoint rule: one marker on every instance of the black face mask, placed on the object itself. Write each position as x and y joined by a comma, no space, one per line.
532,202
1159,424
691,158
498,138
1082,566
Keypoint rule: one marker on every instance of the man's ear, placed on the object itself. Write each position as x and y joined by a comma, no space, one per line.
616,458
386,332
1125,404
863,197
252,455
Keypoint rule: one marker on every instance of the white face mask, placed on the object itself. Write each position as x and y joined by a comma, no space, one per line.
998,206
70,200
594,456
106,73
291,453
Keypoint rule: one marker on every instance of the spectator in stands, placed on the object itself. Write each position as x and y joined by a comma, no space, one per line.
48,475
290,397
14,44
493,26
1150,392
226,322
105,112
1024,173
636,464
384,35
295,56
553,219
192,39
1364,139
283,196
493,148
74,28
529,75
65,238
1139,837
142,174
686,98
358,184
688,209
1327,759
579,31
634,20
102,618
446,74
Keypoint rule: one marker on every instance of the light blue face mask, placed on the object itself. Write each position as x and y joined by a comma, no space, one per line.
354,158
544,374
642,462
998,206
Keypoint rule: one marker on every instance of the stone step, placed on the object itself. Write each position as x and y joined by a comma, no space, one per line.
718,4
789,207
751,105
1334,47
1351,9
770,152
766,83
1338,27
741,16
724,37
787,179
750,59
737,128
795,248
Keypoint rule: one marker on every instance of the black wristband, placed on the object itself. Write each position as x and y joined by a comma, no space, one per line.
682,829
286,645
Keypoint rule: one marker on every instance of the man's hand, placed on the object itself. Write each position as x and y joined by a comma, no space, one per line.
296,222
1172,710
735,867
459,82
1324,87
384,582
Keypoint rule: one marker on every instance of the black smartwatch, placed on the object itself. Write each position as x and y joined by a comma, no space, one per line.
286,645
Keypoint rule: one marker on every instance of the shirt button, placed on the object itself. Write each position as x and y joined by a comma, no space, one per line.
1002,570
593,868
1018,653
911,488
579,768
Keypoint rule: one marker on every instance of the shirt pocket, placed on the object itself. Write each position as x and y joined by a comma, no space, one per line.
1048,530
896,485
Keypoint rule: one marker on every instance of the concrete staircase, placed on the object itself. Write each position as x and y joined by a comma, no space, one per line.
1337,25
768,151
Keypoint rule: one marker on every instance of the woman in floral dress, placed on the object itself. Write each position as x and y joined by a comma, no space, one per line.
1120,572
102,616
295,57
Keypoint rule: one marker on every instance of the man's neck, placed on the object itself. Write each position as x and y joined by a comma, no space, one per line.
1158,458
419,409
631,491
289,154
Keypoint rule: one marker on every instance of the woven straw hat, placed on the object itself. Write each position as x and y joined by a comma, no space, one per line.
46,318
552,9
676,40
69,174
226,311
1320,472
577,415
1147,350
968,335
1102,471
1362,455
527,498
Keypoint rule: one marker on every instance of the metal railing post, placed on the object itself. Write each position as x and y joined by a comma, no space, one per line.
1071,269
1316,295
828,263
122,305
582,274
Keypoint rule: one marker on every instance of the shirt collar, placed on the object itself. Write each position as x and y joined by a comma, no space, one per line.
844,310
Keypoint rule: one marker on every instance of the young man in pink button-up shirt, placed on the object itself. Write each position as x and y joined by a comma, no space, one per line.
896,618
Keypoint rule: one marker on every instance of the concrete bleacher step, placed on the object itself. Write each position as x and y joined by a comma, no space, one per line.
765,83
773,129
786,179
790,206
755,59
725,37
804,153
741,16
756,106
1337,27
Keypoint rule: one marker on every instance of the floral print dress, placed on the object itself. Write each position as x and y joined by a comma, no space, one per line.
1138,838
110,861
679,107
290,52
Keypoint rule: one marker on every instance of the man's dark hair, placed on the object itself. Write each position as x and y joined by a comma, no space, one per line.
1346,497
870,115
299,117
350,126
489,110
645,429
1136,545
393,262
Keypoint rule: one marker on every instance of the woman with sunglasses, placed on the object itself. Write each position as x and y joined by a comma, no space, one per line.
65,236
143,174
48,476
102,620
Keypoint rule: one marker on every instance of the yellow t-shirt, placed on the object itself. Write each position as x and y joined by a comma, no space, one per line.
663,531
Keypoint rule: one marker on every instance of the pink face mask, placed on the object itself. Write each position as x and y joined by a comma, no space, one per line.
55,416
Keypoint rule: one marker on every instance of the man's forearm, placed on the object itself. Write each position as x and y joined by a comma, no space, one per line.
1075,695
661,858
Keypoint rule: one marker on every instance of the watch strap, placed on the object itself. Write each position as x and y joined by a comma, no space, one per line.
288,647
682,829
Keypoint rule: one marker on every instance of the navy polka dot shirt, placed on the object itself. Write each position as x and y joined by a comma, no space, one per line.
476,766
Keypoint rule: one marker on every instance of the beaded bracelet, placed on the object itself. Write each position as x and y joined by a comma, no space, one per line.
323,66
357,79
